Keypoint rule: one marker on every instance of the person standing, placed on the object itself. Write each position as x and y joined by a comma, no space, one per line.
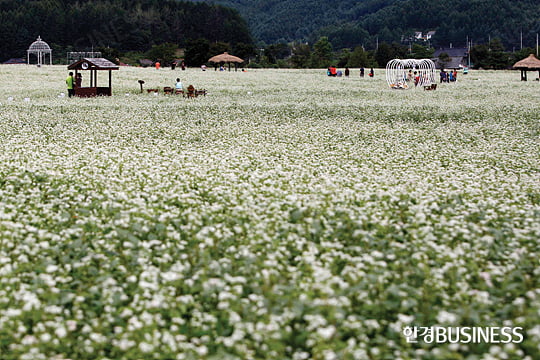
70,82
371,73
78,80
347,72
361,72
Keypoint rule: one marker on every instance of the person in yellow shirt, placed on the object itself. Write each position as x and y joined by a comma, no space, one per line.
70,82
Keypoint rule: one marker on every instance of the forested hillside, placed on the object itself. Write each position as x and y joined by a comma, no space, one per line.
121,24
349,23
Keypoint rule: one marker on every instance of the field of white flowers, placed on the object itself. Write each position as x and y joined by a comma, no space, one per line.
286,215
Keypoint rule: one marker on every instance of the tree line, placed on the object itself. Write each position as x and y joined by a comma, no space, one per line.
124,25
351,23
321,54
156,29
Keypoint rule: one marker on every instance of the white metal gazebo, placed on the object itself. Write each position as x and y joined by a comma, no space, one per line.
39,48
409,73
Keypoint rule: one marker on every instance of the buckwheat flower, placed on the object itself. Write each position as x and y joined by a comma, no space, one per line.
146,347
60,331
326,332
405,319
487,278
518,301
201,350
71,325
125,344
444,317
12,312
302,355
29,340
330,355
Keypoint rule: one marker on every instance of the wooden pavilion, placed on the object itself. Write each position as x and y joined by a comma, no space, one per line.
530,63
93,65
226,58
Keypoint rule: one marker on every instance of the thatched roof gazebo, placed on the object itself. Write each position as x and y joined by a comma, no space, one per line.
530,63
226,58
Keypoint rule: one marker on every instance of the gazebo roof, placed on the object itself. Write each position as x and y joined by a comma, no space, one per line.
225,57
39,46
93,64
529,63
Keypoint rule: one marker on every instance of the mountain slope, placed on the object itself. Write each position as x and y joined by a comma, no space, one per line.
120,24
349,23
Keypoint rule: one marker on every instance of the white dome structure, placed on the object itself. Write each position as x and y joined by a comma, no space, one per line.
409,73
39,48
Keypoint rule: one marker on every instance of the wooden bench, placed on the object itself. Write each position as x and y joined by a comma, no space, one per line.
430,87
200,92
190,92
152,90
168,90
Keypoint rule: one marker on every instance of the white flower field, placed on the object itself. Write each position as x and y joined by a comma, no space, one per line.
285,215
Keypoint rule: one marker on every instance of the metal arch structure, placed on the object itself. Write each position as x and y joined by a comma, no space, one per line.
39,48
398,77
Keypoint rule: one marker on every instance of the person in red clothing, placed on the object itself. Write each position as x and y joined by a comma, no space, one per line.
158,65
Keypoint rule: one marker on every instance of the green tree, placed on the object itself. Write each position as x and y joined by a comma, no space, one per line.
490,56
165,53
521,54
322,53
384,54
244,51
277,52
358,58
219,47
301,53
343,57
110,53
498,58
197,52
421,52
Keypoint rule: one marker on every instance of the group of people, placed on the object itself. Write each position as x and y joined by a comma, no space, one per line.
332,71
417,78
182,64
448,76
73,83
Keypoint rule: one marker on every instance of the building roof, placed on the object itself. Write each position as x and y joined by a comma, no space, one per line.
93,64
452,52
529,63
15,61
146,62
453,63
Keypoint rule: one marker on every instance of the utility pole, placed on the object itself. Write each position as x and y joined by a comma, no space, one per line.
469,46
